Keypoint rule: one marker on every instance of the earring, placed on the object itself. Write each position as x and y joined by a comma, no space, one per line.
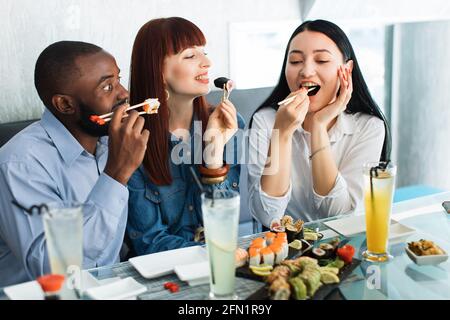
167,94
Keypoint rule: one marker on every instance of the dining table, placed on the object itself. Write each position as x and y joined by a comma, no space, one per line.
398,279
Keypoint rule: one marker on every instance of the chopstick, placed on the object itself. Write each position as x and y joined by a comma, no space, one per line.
290,99
106,115
126,115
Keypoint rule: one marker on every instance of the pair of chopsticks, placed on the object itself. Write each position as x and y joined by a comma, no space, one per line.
108,116
290,99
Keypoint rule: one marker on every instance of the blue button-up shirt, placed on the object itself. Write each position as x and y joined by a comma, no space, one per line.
45,163
166,217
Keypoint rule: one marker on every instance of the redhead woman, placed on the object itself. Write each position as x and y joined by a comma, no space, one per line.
307,152
169,62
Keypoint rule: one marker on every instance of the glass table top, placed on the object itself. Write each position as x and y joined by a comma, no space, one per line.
400,278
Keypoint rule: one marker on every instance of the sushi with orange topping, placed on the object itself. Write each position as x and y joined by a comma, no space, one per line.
259,243
270,237
96,119
267,256
254,256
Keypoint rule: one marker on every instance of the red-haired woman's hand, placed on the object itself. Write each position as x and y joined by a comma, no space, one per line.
224,120
328,113
222,125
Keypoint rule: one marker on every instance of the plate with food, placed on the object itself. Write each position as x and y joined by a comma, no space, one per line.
287,240
425,252
313,276
265,253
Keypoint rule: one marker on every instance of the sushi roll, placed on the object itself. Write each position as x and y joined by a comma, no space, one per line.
277,250
293,233
282,235
276,226
241,257
328,248
287,220
284,246
279,272
267,256
318,253
270,236
299,288
258,243
254,256
151,106
280,289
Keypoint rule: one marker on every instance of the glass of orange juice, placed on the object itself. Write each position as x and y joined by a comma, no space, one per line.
379,183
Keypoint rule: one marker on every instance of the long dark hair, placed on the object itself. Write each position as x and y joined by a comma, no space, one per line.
156,40
361,100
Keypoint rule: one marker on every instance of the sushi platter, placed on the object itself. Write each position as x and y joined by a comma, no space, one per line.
306,285
294,264
245,271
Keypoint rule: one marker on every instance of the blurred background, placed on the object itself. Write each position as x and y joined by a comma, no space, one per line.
403,48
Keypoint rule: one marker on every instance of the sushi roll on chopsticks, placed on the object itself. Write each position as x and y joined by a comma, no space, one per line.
226,85
149,106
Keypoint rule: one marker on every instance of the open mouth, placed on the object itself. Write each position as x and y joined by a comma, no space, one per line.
312,88
202,77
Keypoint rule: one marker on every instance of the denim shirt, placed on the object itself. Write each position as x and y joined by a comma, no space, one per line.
166,217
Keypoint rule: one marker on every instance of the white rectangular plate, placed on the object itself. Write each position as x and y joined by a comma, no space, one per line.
350,226
194,271
119,290
25,291
162,263
399,232
198,282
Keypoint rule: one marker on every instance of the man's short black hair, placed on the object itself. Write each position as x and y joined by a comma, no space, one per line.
56,67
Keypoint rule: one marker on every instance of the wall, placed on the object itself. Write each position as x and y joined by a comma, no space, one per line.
29,26
421,109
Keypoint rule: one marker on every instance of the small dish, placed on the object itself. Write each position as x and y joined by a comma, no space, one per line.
119,290
399,232
426,260
193,271
198,282
30,290
162,263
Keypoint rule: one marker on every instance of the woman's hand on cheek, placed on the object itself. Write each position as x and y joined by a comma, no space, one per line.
324,116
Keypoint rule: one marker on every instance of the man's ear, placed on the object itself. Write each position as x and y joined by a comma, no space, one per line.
349,65
63,104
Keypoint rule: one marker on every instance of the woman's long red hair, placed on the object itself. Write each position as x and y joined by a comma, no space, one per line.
156,40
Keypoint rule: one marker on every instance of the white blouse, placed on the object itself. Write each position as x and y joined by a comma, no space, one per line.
355,139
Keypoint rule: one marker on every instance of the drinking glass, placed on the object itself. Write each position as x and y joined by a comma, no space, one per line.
63,225
221,219
379,182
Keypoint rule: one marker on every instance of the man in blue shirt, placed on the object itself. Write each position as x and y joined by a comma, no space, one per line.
67,157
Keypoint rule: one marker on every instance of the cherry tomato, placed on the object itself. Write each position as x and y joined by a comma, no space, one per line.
168,285
346,253
174,288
